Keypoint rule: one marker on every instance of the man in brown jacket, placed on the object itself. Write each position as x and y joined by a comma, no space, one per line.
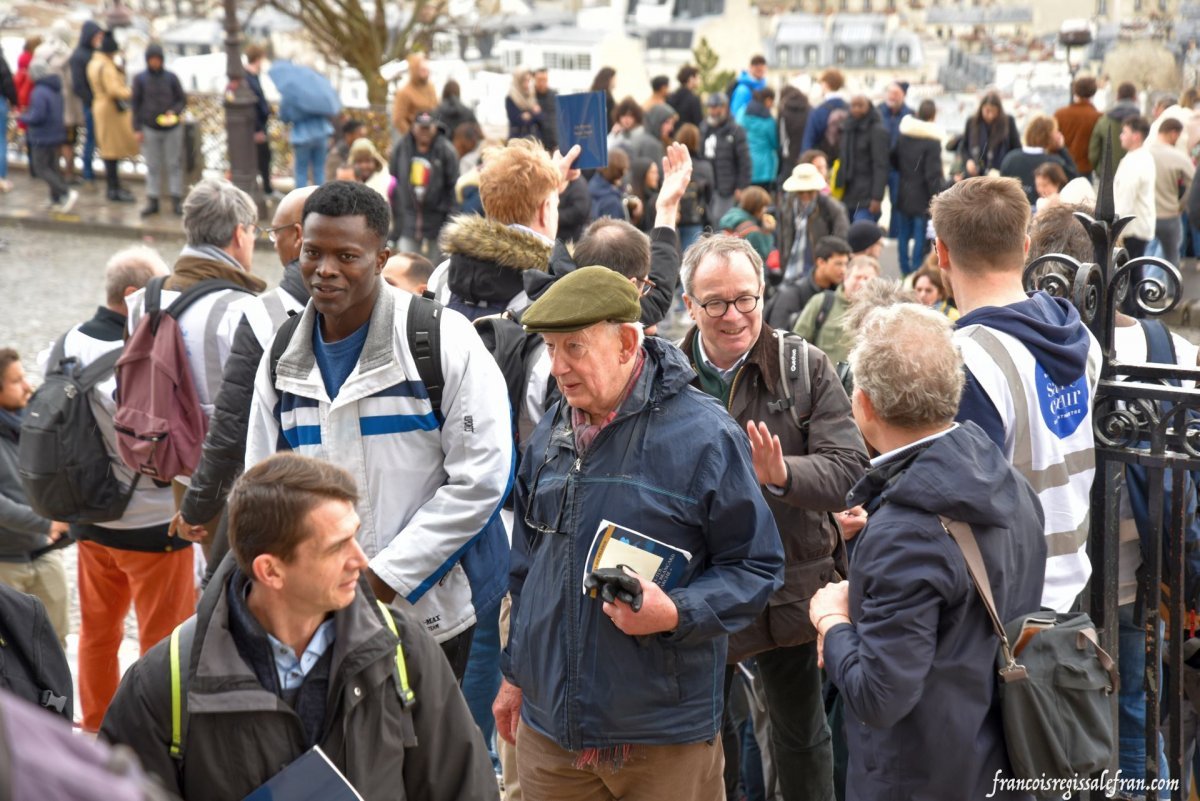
808,454
1077,120
415,96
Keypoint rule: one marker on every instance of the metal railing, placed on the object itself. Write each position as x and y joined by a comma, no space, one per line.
1141,416
207,111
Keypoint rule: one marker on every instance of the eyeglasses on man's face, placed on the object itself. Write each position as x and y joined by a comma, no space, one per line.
743,303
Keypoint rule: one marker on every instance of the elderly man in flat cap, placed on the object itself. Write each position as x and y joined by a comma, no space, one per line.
641,542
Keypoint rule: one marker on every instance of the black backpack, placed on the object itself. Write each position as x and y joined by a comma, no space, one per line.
515,352
424,342
64,464
32,663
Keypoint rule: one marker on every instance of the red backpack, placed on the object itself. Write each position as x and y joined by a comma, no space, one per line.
159,423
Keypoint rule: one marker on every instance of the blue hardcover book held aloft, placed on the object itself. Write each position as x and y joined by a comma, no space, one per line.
311,777
583,121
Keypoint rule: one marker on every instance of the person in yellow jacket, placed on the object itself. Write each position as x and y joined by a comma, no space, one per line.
111,97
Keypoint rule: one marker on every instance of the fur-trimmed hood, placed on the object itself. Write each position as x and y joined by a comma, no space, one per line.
487,258
920,129
487,240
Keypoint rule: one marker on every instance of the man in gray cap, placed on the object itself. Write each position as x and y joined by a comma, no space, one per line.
726,148
643,491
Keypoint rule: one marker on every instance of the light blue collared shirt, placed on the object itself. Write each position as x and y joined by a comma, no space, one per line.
291,670
726,374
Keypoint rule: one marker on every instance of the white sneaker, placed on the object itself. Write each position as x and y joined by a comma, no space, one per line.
69,202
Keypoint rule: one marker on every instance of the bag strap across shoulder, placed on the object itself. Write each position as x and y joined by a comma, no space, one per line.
965,538
793,369
425,342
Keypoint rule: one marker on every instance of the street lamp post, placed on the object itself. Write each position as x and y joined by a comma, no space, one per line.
239,113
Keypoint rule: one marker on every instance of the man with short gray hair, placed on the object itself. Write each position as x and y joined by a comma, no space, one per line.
131,560
635,457
220,221
807,454
907,640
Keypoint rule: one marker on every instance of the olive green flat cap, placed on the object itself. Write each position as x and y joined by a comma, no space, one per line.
583,298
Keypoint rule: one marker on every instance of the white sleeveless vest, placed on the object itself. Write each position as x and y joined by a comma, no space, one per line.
1048,439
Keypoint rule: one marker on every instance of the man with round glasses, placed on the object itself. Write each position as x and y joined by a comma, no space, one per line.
807,454
636,473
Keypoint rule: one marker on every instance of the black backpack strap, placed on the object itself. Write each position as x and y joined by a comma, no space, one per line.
283,338
829,296
425,344
1160,348
196,291
98,370
794,380
54,365
153,301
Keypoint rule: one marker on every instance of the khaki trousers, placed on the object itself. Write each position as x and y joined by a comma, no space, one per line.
45,578
654,773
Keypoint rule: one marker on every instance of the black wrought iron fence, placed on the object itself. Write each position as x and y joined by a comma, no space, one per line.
1146,415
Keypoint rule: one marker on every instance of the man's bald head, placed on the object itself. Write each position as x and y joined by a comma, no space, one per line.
285,225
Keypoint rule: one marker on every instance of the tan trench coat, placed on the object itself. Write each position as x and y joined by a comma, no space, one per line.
114,128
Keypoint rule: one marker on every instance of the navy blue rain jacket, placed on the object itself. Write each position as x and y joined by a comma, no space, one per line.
917,669
672,466
44,117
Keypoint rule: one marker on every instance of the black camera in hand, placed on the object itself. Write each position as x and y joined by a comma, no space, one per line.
615,585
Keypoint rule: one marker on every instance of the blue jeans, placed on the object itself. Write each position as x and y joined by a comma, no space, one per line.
4,130
908,229
310,160
1131,700
481,682
862,212
89,144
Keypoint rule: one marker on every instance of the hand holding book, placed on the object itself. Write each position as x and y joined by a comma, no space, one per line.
657,615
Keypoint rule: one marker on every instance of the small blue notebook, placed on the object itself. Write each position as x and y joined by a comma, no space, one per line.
311,777
583,121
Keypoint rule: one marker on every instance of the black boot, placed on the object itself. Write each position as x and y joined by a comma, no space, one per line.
120,195
177,205
151,207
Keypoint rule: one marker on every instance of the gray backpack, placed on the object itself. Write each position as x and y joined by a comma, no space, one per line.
1056,683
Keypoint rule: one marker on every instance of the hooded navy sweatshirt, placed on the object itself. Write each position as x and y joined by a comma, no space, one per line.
1053,333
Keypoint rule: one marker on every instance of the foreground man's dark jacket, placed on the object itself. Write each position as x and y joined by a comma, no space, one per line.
673,466
917,669
240,734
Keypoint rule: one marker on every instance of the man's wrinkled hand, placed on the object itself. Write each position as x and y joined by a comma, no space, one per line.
767,454
657,615
507,711
852,521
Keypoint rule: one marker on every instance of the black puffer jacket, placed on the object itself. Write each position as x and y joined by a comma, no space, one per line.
864,171
487,260
423,218
156,92
726,148
574,210
224,453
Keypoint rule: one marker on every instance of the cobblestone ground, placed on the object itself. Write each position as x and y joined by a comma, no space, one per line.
50,281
